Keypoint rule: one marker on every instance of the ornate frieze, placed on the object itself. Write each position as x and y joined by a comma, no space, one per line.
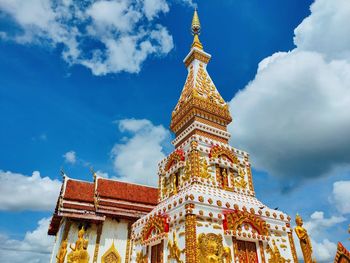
234,221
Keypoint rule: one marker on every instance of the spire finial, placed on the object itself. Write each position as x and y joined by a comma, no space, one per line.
196,28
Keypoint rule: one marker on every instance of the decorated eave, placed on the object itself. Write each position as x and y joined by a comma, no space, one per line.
342,255
94,201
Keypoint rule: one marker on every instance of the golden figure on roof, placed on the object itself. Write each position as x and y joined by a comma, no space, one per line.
79,252
304,239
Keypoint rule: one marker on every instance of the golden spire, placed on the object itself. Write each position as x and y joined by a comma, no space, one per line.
196,28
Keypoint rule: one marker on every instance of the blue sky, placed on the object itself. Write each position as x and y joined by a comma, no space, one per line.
102,112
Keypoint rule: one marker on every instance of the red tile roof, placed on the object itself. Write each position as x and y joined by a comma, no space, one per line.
126,191
113,198
79,191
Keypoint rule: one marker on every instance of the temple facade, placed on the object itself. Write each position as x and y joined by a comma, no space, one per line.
207,210
92,220
204,210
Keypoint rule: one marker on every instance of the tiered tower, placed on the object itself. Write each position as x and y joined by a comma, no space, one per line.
207,209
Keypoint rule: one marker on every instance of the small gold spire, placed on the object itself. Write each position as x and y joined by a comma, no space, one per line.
196,28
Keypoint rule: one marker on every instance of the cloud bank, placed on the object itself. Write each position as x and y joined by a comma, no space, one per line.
104,36
19,192
135,159
293,117
35,247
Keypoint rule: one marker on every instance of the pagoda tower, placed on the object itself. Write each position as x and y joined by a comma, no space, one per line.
207,210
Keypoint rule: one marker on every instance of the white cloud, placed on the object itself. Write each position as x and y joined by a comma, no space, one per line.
70,157
293,117
324,251
136,158
324,31
341,196
318,224
20,192
122,33
35,247
102,174
153,7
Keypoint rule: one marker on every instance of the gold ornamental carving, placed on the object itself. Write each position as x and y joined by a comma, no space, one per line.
111,255
292,246
205,169
141,258
240,179
211,250
190,238
61,255
234,221
79,252
218,151
275,255
304,239
174,250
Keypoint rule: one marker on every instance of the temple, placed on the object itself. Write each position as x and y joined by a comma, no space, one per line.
204,210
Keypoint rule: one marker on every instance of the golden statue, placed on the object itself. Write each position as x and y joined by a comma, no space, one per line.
224,177
174,250
211,250
79,252
141,258
205,171
240,182
187,171
165,186
61,255
304,239
175,182
275,254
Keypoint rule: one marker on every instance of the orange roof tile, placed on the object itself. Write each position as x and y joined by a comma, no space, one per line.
79,191
126,191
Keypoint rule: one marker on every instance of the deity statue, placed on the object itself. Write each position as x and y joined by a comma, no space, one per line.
240,181
61,255
79,252
174,250
187,172
205,172
224,177
175,183
164,186
304,239
211,250
275,255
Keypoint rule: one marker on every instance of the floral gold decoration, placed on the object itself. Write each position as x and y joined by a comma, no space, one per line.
111,255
